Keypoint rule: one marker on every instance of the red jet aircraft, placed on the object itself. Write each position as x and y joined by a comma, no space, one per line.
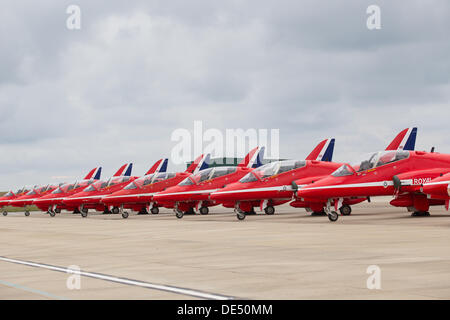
28,198
275,183
52,203
4,200
138,195
90,197
416,179
195,190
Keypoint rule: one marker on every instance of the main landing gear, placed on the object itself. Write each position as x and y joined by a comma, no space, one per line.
204,210
345,210
180,214
5,213
27,213
154,210
269,210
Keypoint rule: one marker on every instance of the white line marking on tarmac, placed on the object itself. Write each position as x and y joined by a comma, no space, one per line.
143,284
42,293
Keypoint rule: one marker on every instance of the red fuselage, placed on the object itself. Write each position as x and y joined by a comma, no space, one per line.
27,199
375,177
90,198
140,193
197,188
56,197
275,186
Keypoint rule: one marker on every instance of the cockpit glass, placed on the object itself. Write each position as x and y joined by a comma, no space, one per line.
342,171
131,186
377,159
9,194
277,167
31,192
249,177
57,190
221,171
91,188
186,182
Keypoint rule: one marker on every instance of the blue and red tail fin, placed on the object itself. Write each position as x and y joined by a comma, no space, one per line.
405,140
97,174
90,174
259,158
200,163
159,166
323,151
124,170
250,158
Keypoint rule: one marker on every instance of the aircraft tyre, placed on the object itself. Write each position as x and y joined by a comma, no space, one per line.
240,215
84,213
115,210
420,214
333,216
179,214
154,210
51,213
125,214
345,210
57,210
204,210
27,213
269,210
5,213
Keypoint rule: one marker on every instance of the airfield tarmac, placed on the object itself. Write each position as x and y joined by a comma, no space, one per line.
289,255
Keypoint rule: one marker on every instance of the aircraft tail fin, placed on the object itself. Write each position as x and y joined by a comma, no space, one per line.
259,158
124,170
323,151
93,173
97,174
250,158
405,140
159,166
202,162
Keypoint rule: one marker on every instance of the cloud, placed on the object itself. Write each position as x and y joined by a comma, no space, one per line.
115,90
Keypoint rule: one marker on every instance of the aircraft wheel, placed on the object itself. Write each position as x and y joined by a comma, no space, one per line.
333,216
154,210
27,213
240,215
51,213
179,214
57,210
115,210
5,213
269,210
420,214
84,213
204,210
84,210
125,214
345,210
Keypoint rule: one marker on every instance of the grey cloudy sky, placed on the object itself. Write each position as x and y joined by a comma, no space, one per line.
115,90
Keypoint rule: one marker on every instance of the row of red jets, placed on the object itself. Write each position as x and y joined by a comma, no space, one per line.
416,179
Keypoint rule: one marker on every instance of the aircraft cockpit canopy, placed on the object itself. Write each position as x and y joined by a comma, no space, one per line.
272,169
371,161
